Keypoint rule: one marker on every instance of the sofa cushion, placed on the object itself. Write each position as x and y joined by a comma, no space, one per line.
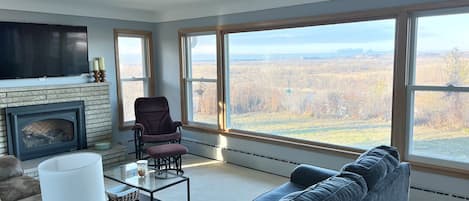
279,192
382,151
36,197
374,164
17,188
346,186
9,167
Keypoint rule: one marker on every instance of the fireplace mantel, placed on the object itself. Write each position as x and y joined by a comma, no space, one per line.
98,116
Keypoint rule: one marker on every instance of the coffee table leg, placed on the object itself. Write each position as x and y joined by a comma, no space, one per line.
188,191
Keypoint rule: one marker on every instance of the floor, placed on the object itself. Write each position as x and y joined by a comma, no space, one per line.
212,180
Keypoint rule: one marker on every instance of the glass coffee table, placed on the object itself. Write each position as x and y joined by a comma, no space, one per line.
152,182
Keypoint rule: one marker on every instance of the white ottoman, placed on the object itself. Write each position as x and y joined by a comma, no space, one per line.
72,177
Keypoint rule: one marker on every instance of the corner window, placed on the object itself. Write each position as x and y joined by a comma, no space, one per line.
439,88
133,64
338,83
201,79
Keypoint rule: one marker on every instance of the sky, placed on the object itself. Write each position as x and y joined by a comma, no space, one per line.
442,33
435,34
130,50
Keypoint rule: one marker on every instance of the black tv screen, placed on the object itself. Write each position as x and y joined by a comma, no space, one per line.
36,50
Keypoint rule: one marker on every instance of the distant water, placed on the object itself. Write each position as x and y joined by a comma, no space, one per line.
273,57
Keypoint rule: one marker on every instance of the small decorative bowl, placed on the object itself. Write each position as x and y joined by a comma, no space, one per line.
102,145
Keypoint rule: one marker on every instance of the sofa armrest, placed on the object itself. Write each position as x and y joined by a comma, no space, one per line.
9,167
307,175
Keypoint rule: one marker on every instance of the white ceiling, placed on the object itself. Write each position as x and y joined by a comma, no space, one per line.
147,10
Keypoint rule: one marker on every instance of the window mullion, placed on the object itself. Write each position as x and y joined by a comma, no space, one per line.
187,76
133,79
201,80
439,88
221,96
399,118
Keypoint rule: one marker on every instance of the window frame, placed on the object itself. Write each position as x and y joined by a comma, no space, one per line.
222,32
413,87
188,80
312,23
400,101
147,79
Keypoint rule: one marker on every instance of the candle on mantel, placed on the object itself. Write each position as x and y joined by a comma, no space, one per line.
95,65
101,64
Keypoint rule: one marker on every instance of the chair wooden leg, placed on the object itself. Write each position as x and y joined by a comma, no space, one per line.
168,163
159,163
136,146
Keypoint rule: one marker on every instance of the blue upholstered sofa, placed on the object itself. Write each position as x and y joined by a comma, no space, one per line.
377,175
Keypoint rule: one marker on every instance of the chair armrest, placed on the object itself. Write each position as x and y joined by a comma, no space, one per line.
177,124
138,129
138,126
307,175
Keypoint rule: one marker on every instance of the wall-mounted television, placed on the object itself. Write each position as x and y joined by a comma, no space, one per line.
30,50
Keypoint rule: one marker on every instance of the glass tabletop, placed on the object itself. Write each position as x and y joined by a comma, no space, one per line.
151,182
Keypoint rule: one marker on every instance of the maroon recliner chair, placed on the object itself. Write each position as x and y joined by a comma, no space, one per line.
153,123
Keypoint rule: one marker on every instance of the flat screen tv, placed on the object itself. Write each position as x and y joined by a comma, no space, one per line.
37,50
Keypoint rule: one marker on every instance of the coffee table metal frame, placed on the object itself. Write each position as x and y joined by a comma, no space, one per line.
151,192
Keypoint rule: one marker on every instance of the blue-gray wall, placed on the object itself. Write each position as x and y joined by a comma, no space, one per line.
166,61
218,146
100,44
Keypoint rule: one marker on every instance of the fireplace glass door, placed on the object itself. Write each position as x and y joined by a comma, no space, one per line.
40,130
47,132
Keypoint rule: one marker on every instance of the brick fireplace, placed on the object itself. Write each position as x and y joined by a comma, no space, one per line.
96,112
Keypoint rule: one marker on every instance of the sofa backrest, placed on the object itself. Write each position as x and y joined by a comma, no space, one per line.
377,175
386,178
394,187
375,164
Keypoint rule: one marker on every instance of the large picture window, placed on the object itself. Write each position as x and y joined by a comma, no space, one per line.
133,63
439,89
329,83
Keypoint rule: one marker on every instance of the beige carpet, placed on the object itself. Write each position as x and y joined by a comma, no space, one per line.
217,181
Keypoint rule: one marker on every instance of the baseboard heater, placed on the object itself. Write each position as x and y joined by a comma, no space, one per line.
239,151
461,197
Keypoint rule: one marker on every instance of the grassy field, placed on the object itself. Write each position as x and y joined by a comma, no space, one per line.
354,133
359,134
